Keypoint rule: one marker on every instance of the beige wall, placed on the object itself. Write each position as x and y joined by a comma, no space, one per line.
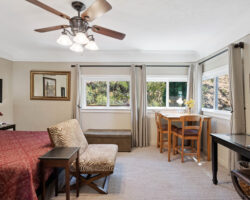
6,107
37,114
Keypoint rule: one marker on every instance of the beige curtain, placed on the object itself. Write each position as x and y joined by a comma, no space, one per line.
190,94
139,106
237,97
78,94
197,88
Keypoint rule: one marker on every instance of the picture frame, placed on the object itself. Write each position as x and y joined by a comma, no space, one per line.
49,87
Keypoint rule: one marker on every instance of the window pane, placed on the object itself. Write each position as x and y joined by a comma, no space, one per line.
208,93
177,94
156,94
119,93
223,93
96,93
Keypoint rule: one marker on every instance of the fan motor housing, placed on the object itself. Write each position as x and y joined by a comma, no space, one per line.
78,25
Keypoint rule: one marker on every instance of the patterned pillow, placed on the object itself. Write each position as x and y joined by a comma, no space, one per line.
68,134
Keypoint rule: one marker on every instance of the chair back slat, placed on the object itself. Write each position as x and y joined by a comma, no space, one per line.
191,118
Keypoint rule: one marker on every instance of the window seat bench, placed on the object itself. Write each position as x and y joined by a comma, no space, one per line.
110,136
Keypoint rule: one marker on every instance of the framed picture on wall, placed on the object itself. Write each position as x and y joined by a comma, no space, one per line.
49,87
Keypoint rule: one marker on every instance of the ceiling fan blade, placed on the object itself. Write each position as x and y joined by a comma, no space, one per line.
108,32
52,28
97,9
45,7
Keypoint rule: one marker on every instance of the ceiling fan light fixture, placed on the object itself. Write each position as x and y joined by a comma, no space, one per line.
81,38
92,45
76,48
64,40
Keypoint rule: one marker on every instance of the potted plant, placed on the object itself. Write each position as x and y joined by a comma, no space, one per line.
190,104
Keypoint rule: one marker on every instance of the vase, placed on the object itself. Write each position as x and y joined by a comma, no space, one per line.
189,110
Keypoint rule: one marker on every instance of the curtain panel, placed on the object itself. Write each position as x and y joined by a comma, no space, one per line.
78,95
237,97
197,88
140,136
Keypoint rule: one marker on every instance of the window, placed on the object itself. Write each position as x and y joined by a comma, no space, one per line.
177,92
96,93
119,93
215,90
106,92
156,94
166,92
208,93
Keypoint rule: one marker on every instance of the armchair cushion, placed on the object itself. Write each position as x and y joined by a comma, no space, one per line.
97,158
68,134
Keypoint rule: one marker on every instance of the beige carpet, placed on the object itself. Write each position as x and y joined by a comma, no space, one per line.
145,174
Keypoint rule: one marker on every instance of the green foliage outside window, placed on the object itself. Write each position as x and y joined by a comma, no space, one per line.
96,93
156,94
177,90
119,93
208,93
223,93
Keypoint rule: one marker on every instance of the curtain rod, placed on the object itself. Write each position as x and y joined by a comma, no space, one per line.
130,65
239,45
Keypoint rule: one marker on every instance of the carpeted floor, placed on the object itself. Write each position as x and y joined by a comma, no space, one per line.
145,174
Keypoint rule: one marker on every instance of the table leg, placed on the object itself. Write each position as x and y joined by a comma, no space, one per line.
56,183
77,175
14,127
169,139
214,161
67,182
42,180
208,139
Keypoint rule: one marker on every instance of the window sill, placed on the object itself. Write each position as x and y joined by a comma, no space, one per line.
105,110
217,114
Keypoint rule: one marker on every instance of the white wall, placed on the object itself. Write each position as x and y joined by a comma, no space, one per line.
6,107
36,114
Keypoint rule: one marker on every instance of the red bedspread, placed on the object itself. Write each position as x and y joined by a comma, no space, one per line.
19,163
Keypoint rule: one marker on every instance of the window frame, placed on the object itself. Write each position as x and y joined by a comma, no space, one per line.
215,74
107,79
167,79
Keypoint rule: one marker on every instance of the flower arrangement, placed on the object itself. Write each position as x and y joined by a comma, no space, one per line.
190,104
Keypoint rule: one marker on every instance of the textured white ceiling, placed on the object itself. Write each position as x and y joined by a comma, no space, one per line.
193,27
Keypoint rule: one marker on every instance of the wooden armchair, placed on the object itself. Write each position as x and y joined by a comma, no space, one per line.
96,161
188,132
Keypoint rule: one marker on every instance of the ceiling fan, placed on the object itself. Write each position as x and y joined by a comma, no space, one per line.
80,25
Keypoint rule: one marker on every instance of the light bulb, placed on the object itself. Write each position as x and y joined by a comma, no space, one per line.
76,48
91,45
64,40
81,38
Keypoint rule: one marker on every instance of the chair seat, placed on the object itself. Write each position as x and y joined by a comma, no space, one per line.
97,158
188,132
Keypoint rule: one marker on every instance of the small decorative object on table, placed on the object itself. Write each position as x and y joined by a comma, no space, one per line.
190,104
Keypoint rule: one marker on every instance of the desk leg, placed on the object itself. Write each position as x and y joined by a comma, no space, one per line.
42,180
77,175
208,139
214,161
67,182
169,138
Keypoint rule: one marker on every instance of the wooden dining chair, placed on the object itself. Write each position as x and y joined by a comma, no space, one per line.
162,131
188,132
